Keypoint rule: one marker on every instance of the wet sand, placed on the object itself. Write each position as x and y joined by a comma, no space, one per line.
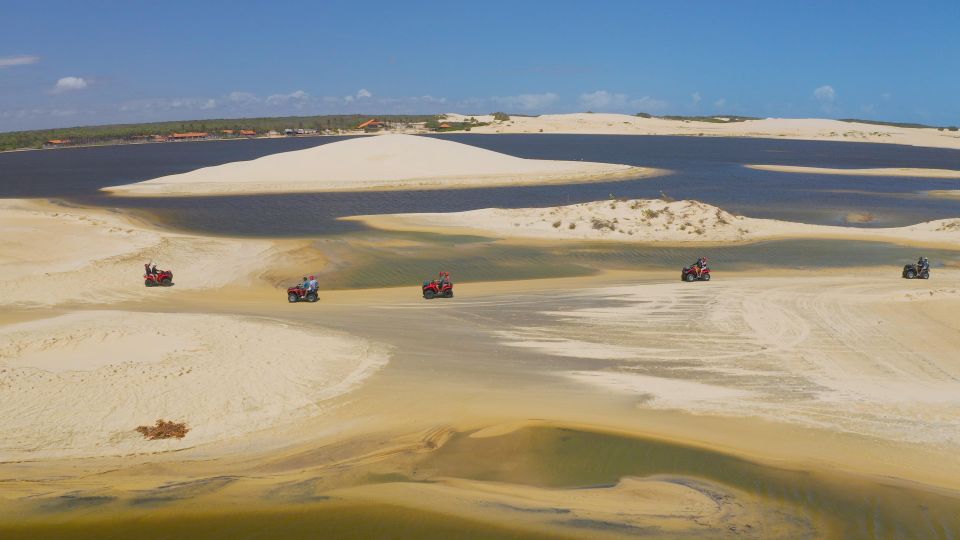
903,172
797,402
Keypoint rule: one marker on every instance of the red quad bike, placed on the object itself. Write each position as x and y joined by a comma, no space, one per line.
695,273
437,287
298,294
162,278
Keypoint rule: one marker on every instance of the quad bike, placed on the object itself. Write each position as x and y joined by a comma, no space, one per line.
297,293
162,278
432,289
695,273
916,271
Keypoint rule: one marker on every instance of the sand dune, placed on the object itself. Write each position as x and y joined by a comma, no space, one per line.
649,220
381,162
78,384
779,128
907,172
40,263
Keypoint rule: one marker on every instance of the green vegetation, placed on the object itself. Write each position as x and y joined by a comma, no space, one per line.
501,116
120,133
438,124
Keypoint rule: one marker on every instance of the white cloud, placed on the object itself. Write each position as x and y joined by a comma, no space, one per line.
297,97
696,97
602,100
825,94
720,103
69,84
242,98
526,102
10,61
165,104
649,104
363,93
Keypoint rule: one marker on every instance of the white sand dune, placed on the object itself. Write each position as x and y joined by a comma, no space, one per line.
779,128
52,255
649,220
380,162
79,384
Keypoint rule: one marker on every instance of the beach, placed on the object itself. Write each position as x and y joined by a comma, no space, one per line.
610,401
650,221
813,129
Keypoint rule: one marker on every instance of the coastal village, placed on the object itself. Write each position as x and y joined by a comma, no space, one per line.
368,126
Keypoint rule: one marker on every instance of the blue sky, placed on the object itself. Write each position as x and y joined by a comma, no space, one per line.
80,63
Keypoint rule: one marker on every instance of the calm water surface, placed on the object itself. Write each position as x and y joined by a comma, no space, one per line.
708,169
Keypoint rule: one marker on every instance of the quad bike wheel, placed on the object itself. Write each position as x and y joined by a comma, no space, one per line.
292,298
312,297
166,282
428,294
706,277
148,283
448,294
925,275
911,274
690,277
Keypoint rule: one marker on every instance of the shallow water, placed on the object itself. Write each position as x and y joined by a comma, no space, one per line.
813,504
708,169
418,256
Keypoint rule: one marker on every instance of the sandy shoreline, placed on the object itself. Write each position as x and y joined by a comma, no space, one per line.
812,371
904,172
387,162
650,221
813,129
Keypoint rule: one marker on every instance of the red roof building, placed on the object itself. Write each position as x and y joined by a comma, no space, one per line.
373,123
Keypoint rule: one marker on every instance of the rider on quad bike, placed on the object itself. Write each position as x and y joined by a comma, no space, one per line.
153,277
919,270
442,286
698,271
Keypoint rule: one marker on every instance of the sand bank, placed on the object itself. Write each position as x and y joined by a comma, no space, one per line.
893,172
78,384
945,193
649,220
381,162
52,254
770,128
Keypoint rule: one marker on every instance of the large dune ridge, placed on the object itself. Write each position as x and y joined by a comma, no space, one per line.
778,128
649,220
380,162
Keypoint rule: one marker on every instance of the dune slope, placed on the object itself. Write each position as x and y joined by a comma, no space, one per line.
380,162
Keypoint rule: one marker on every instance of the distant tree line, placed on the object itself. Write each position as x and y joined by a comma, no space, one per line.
132,132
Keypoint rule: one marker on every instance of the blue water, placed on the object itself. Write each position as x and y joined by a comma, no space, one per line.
705,168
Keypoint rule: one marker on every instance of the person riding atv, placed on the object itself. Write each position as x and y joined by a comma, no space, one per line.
919,270
153,277
442,286
698,271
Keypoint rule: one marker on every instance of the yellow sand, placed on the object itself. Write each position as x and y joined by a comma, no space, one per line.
649,220
779,128
54,255
78,384
900,172
381,162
